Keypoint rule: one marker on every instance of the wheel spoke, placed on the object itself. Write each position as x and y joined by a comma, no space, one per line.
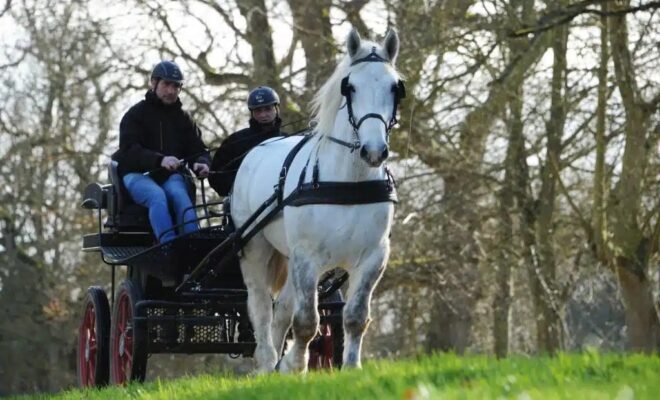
124,338
87,346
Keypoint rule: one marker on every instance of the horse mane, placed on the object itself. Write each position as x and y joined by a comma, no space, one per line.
328,99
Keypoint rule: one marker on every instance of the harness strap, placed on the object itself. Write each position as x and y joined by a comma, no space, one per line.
343,193
285,167
351,146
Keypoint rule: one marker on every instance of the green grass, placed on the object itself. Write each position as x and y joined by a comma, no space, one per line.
568,376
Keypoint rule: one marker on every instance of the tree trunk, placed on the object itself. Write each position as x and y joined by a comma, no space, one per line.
260,37
503,290
503,286
544,281
312,25
641,316
601,183
520,10
631,249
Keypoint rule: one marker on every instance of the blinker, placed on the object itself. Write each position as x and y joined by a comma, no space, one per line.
346,87
399,89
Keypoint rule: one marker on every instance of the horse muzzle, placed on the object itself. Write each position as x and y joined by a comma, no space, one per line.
374,156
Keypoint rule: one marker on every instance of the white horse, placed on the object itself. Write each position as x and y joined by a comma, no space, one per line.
350,144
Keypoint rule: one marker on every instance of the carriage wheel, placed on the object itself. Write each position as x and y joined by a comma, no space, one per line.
128,347
93,333
325,350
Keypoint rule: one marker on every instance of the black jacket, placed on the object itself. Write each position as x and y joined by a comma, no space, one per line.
233,150
151,130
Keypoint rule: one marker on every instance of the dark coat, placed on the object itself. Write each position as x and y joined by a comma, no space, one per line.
233,150
151,130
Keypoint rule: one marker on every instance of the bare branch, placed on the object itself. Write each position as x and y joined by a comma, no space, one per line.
14,63
5,8
567,14
225,16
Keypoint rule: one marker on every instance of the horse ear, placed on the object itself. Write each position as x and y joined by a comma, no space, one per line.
391,44
353,42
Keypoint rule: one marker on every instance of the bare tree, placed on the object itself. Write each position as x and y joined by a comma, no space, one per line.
634,237
543,275
54,127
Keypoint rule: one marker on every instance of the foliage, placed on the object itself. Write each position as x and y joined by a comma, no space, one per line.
587,375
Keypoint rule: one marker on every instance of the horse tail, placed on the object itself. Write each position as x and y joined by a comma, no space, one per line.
277,269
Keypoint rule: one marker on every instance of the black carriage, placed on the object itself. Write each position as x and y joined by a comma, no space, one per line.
185,296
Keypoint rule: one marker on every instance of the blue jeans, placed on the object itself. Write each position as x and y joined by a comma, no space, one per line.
146,192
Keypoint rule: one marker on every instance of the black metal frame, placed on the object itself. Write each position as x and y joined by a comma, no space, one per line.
175,328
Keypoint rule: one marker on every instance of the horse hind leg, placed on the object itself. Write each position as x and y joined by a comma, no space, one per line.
277,269
303,275
362,281
283,316
260,305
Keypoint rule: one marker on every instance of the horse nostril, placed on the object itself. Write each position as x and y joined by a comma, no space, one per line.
385,153
363,152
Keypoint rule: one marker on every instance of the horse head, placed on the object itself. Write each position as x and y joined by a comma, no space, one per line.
371,89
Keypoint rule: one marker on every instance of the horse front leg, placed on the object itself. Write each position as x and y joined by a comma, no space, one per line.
304,279
260,304
362,281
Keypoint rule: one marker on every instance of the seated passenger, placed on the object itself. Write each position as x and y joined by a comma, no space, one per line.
263,103
156,136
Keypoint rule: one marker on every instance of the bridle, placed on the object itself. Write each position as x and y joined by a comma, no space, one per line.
398,90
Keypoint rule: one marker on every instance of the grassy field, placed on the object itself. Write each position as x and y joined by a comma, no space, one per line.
567,376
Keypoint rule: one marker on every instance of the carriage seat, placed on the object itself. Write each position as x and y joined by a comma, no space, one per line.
123,213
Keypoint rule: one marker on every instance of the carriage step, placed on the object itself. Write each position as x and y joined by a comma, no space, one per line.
116,254
100,241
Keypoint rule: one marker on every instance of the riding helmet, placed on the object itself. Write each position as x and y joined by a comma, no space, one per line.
167,70
261,97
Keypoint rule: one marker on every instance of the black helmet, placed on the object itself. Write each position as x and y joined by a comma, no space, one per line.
262,96
167,70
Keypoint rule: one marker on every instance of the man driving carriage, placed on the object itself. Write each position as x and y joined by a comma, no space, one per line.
263,104
157,138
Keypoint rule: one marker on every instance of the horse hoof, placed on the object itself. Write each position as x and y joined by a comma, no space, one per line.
277,366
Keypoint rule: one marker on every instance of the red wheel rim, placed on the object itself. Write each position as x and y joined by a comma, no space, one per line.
123,340
88,347
322,356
